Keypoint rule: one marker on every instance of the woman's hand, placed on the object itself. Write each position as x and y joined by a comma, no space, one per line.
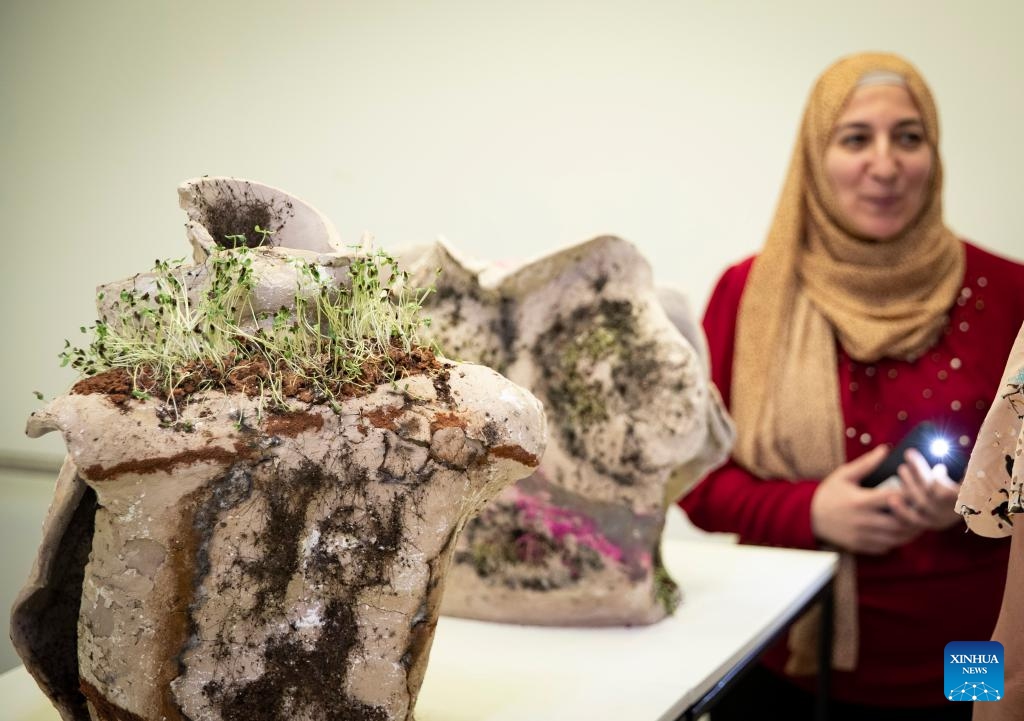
859,519
928,496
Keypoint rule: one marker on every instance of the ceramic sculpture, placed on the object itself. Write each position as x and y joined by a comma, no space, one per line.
260,551
634,423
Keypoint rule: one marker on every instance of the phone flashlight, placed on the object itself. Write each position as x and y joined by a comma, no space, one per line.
935,448
939,447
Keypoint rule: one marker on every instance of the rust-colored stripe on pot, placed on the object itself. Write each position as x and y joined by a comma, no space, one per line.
184,549
516,453
152,465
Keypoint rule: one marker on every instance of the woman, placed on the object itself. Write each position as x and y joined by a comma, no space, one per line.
862,316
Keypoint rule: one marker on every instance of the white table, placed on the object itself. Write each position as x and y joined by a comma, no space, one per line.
736,598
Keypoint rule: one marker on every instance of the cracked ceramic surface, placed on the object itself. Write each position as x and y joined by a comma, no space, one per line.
241,564
298,232
634,423
283,566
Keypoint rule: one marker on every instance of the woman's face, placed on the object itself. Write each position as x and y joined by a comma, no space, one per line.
878,161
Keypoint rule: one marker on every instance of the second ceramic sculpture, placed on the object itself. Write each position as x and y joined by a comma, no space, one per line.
634,422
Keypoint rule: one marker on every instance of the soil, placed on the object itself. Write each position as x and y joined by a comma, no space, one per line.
250,376
238,213
297,678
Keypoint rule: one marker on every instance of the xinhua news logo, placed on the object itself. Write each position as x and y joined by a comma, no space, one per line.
974,671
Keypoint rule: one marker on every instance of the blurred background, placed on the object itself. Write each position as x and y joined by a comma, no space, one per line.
509,128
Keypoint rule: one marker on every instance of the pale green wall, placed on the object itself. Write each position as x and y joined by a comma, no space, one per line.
509,127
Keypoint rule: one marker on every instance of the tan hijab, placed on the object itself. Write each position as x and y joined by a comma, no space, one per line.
816,282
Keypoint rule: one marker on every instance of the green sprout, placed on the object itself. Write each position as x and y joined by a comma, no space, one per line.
335,340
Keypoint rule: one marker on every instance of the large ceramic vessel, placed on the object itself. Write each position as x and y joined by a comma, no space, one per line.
238,564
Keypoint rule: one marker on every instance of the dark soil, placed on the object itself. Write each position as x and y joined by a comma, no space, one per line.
251,376
296,678
306,679
238,213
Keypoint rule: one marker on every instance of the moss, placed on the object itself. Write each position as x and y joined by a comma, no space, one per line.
521,552
594,366
486,558
568,352
666,592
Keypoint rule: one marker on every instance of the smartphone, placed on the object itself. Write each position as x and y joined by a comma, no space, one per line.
931,443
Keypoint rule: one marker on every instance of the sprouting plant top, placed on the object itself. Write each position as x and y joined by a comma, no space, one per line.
190,328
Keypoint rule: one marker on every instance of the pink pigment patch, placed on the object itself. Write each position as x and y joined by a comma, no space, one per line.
562,523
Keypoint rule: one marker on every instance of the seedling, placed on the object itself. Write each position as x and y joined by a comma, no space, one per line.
334,340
